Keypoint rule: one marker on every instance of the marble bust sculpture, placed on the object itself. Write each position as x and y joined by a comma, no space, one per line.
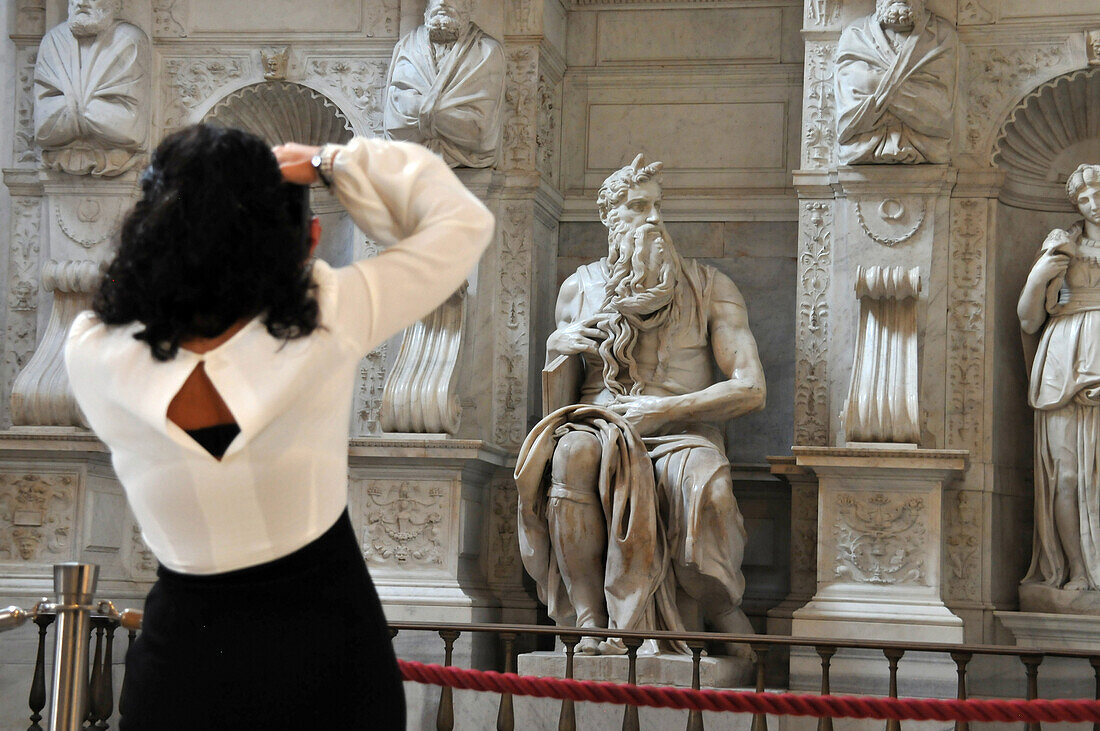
445,87
626,507
895,86
1061,302
91,87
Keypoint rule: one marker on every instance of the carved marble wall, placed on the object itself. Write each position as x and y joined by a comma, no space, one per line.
970,249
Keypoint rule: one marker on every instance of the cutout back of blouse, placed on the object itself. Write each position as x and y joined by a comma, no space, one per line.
282,481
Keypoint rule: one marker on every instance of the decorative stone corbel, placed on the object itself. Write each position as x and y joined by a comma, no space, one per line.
41,395
419,395
882,401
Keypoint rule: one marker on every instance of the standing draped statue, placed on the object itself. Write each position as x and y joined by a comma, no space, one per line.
1061,300
445,88
627,518
895,86
91,86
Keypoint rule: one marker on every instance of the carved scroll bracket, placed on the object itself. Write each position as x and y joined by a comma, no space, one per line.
883,399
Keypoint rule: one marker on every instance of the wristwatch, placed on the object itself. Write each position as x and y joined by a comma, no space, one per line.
322,163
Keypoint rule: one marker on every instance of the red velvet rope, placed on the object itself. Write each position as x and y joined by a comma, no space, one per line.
779,704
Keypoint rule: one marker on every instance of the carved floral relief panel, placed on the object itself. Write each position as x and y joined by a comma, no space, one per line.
812,338
190,83
359,83
512,326
966,326
880,539
819,107
503,545
963,545
21,330
521,108
25,152
996,76
37,513
406,523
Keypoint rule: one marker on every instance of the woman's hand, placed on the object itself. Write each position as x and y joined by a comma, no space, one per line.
295,162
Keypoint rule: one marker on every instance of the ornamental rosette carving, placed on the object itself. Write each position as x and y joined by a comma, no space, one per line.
26,153
811,402
512,329
190,82
963,545
880,539
36,516
997,76
819,111
521,102
966,325
360,82
403,523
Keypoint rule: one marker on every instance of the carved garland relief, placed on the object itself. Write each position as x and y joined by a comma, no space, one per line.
36,516
977,12
880,539
812,339
372,369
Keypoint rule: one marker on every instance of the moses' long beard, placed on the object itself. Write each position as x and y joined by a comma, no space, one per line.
640,298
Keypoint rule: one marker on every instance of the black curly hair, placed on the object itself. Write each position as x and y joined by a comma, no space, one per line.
217,237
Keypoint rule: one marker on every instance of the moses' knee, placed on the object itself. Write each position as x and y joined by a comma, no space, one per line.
576,459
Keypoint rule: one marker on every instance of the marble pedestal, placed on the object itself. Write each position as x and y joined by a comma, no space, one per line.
663,669
879,557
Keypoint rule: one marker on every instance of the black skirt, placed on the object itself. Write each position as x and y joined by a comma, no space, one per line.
299,642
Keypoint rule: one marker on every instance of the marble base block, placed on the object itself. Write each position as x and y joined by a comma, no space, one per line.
662,669
1039,598
1053,631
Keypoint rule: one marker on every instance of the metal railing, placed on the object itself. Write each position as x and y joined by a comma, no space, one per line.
82,693
761,645
79,699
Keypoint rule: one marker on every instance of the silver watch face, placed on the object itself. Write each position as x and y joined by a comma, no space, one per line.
316,162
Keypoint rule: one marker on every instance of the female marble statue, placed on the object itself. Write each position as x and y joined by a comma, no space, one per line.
1062,299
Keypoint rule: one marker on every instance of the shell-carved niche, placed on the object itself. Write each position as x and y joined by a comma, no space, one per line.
281,111
1052,131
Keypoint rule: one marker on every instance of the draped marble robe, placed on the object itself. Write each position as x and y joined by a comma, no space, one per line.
1064,390
895,92
91,109
450,102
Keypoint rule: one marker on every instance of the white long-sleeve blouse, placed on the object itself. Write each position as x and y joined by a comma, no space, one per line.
283,480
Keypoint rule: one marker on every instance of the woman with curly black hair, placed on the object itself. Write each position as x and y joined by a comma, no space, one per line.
218,365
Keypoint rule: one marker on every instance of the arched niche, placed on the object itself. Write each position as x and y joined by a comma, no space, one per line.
282,111
1054,129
